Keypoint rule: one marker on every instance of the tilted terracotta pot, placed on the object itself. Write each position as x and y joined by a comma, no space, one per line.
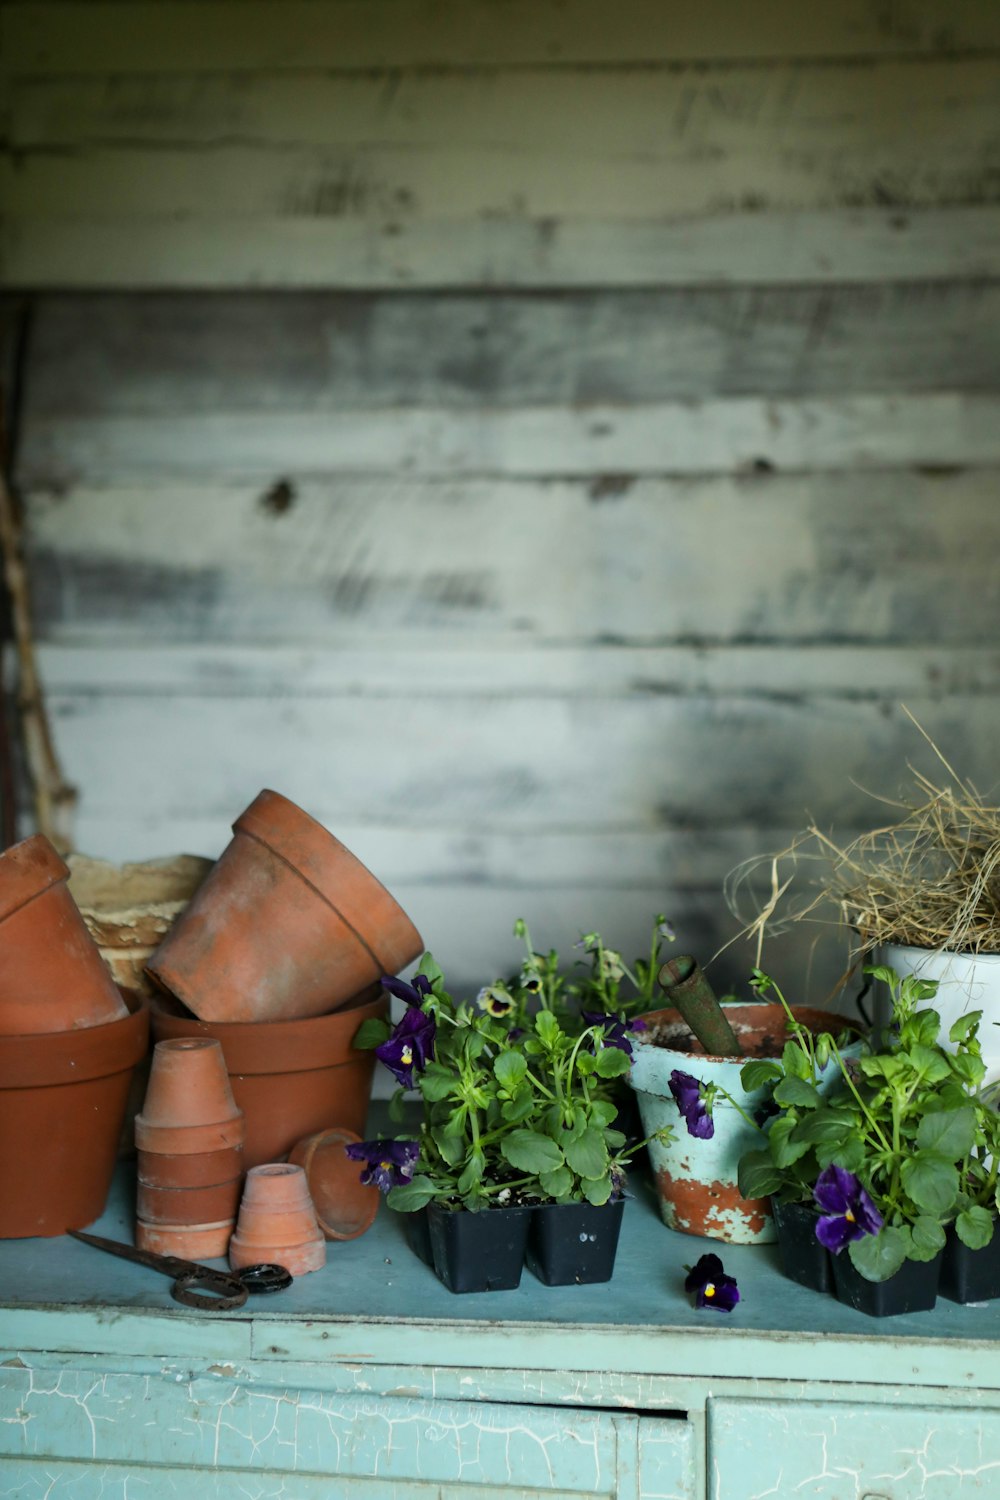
292,1078
345,1207
277,1221
62,1100
288,924
52,977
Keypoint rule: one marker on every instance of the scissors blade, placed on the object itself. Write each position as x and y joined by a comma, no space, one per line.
168,1265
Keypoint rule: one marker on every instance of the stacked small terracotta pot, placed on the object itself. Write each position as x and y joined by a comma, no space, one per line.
68,1047
190,1152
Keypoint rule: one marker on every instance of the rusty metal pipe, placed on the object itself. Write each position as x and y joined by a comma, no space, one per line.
687,989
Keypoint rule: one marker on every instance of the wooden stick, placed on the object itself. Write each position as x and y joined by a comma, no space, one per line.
54,798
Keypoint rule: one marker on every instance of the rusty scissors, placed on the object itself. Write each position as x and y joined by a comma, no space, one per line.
196,1285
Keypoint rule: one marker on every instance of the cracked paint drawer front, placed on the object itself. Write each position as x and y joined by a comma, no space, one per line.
840,1451
84,1435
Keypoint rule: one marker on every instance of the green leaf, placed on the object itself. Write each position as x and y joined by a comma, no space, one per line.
586,1064
473,1173
964,1025
849,1154
975,1227
879,1256
930,1180
509,1069
783,1149
430,968
825,1126
451,1146
949,1132
436,1082
757,1175
597,1191
931,1065
758,1072
411,1196
926,1238
612,1062
397,1106
557,1184
371,1033
519,1108
797,1091
531,1152
795,1062
547,1027
603,1112
588,1155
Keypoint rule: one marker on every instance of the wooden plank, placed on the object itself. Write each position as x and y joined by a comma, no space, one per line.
330,352
864,433
840,245
171,36
378,565
657,143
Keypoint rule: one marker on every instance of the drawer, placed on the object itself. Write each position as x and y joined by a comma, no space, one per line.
86,1435
848,1451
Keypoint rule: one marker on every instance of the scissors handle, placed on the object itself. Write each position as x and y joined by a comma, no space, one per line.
220,1291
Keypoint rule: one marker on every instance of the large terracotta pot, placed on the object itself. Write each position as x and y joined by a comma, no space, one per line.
696,1180
291,1078
129,909
52,978
62,1100
288,924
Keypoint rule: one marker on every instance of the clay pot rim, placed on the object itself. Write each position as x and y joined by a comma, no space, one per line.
752,1011
255,823
190,1140
42,1059
304,1153
28,868
267,1047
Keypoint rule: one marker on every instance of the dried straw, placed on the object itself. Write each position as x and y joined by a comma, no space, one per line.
931,879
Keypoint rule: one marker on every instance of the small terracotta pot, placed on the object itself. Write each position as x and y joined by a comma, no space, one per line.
192,1241
199,1205
52,977
277,1221
288,924
198,1169
62,1100
345,1208
189,1105
292,1078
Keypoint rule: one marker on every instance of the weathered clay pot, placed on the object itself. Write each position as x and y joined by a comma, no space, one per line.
277,1222
344,1206
292,1078
52,977
130,908
288,924
696,1179
198,1205
192,1241
189,1105
62,1099
197,1169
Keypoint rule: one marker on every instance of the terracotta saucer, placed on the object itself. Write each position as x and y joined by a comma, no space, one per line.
345,1208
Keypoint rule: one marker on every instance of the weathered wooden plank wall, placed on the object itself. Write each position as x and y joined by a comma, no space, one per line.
548,440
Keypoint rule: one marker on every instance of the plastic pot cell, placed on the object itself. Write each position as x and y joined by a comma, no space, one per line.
803,1258
912,1289
574,1243
288,924
478,1252
970,1275
52,978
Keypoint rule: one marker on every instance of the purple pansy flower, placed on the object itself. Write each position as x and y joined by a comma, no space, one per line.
848,1212
711,1284
389,1163
615,1029
409,1047
697,1116
413,993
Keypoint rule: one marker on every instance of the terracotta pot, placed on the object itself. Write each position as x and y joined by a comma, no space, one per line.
129,909
292,1078
189,1105
288,924
344,1206
197,1169
62,1099
696,1180
52,978
192,1241
277,1222
198,1205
